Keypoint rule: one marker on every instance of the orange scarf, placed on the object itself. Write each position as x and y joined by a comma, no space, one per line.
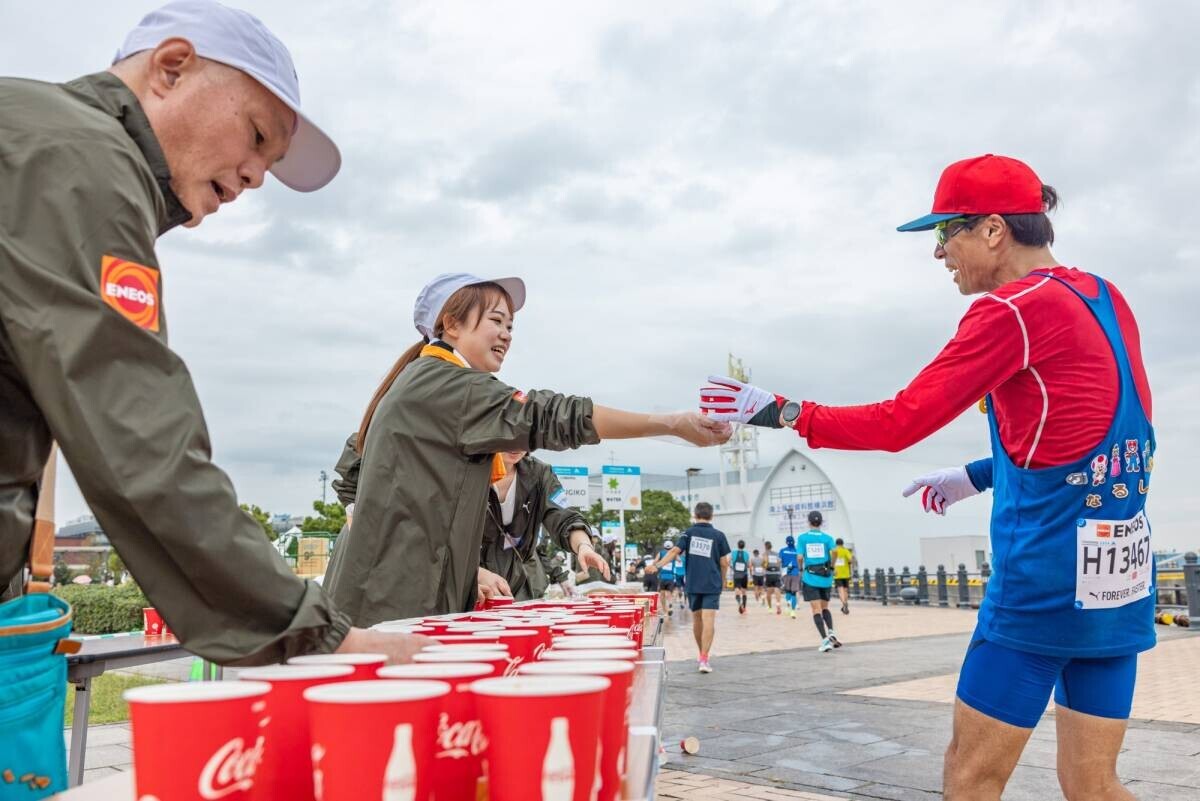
499,471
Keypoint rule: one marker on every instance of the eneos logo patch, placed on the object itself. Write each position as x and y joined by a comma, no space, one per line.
131,289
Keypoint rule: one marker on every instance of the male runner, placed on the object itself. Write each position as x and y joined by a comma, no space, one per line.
707,564
791,574
758,574
815,550
741,575
773,574
666,582
843,558
1055,353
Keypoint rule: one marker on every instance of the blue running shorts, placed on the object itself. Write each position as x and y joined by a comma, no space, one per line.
1014,686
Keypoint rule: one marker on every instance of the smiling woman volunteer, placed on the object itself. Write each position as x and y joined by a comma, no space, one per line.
430,442
519,505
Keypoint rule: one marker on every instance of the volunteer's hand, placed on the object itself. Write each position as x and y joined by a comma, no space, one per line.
941,488
492,585
589,558
696,428
724,398
651,569
399,648
568,589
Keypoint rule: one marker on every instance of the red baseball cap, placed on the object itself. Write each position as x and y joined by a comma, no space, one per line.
983,185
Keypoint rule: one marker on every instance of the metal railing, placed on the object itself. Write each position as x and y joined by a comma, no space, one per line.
964,589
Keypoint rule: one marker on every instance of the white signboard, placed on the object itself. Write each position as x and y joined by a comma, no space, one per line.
612,531
621,488
574,482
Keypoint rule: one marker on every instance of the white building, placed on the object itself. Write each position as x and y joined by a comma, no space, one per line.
857,493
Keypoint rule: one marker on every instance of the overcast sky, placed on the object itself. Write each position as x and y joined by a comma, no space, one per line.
674,181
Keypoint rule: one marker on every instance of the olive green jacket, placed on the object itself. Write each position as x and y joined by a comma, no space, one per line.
525,566
424,482
84,193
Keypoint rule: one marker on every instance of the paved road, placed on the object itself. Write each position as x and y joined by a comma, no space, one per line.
872,719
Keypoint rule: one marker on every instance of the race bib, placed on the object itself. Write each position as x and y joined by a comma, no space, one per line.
1113,562
840,562
758,570
739,567
814,550
700,547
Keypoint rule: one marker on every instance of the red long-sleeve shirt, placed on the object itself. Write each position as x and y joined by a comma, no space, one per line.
1031,343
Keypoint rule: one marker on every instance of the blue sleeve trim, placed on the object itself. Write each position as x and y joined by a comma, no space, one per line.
980,473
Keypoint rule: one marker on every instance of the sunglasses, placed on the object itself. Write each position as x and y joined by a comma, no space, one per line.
944,234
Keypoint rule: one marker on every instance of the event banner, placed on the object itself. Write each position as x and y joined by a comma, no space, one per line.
622,488
574,482
612,531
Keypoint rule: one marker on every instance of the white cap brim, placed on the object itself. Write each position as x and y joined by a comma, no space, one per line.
312,159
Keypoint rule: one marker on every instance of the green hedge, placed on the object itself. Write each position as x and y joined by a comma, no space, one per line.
100,609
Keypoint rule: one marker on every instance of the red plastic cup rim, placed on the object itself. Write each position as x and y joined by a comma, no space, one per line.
338,659
509,633
541,686
464,655
437,670
273,673
584,642
376,692
454,628
474,637
460,647
585,654
199,692
594,667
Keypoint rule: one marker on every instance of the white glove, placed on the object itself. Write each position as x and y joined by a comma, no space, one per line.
942,488
724,398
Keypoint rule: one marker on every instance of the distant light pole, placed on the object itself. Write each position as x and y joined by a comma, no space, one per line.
324,477
790,512
689,472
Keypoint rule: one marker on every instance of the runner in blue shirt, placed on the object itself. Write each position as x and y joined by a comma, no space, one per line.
791,574
707,564
741,575
666,582
815,549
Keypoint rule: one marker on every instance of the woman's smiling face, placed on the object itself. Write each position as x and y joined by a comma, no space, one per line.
485,343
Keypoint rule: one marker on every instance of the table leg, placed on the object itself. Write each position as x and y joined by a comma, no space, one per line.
79,728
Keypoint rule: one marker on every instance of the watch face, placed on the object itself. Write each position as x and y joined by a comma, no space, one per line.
790,411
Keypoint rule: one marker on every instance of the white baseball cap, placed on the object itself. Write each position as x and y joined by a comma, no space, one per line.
435,294
240,40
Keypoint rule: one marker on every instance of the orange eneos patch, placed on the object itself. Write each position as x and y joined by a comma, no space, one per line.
131,289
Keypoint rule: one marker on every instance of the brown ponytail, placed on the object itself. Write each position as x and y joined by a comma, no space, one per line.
468,303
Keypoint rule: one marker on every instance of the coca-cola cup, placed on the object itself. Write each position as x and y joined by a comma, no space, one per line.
364,665
497,601
197,740
283,772
472,626
500,661
585,655
474,637
370,739
152,622
459,647
596,630
587,643
543,735
459,743
545,635
524,645
614,714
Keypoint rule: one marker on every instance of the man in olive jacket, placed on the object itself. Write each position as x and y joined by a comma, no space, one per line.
202,102
511,551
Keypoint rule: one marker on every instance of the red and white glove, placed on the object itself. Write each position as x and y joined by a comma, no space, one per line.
724,398
942,488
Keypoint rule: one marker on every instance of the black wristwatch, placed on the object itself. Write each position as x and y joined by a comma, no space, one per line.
789,414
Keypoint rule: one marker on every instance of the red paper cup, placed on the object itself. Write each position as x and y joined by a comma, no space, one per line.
403,628
543,734
459,742
545,636
614,714
593,630
584,655
201,740
152,623
285,771
369,738
524,645
497,601
460,647
475,637
364,665
584,642
470,627
500,661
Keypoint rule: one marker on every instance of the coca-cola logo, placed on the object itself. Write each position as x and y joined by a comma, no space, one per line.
511,665
459,739
537,652
230,769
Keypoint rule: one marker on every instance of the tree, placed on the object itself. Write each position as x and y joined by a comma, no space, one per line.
116,567
648,526
263,518
62,573
330,517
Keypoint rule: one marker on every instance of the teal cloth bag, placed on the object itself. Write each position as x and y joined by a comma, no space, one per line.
33,690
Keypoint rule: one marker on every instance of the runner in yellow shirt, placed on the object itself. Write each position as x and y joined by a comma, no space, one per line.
843,557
